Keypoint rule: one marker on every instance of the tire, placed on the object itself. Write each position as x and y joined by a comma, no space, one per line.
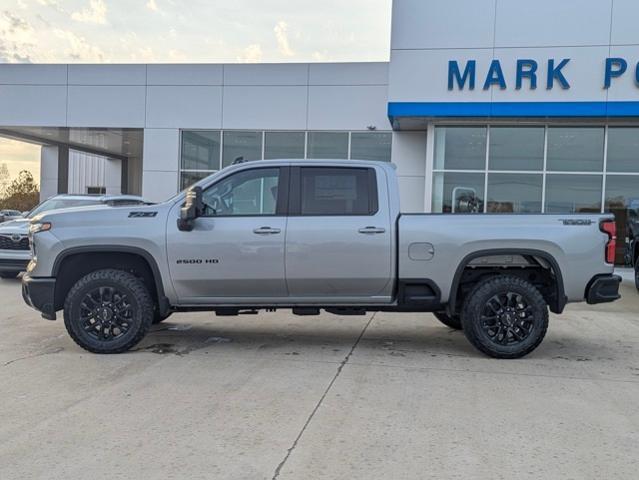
452,322
108,311
492,317
637,273
9,275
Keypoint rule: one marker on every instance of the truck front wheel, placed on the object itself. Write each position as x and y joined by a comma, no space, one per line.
505,317
452,322
108,311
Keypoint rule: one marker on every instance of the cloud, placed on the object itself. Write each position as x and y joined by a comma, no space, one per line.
251,54
17,39
281,34
94,13
15,23
79,49
55,4
151,5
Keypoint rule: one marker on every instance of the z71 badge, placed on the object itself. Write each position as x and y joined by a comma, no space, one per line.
142,214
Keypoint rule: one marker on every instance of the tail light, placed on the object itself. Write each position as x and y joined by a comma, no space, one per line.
610,227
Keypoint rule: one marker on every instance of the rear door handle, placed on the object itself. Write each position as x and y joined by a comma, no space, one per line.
266,231
371,230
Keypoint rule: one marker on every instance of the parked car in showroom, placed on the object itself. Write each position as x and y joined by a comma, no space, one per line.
309,235
6,215
14,242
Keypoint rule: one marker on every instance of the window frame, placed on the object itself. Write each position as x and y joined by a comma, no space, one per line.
295,192
283,186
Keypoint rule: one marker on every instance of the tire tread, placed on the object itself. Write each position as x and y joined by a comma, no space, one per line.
127,280
472,303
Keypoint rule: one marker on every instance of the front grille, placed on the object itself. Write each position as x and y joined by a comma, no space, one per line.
8,243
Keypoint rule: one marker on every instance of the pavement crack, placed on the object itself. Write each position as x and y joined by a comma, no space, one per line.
319,403
39,354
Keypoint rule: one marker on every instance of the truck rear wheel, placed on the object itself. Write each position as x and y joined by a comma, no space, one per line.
452,322
108,311
505,317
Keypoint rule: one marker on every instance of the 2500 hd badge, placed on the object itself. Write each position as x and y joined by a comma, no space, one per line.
196,261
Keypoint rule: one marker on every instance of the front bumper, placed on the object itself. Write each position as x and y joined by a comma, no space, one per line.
39,293
603,288
13,265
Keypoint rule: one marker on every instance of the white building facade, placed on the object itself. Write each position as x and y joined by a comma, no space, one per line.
485,106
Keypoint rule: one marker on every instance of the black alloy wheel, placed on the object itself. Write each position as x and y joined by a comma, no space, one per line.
108,311
105,313
505,317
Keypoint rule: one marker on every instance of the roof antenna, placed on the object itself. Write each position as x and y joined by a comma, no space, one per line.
238,160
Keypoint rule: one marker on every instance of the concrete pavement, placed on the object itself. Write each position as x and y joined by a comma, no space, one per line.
277,396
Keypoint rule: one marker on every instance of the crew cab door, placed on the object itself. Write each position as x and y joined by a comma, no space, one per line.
236,249
338,243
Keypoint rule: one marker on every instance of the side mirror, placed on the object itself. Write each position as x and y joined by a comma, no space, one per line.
192,209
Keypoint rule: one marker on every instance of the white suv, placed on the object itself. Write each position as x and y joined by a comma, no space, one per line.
14,234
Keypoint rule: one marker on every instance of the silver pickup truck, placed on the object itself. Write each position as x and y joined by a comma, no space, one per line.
310,235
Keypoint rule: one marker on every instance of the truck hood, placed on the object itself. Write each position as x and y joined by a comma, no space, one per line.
96,217
20,225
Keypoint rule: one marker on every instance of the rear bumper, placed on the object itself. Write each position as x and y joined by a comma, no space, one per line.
39,293
603,288
13,264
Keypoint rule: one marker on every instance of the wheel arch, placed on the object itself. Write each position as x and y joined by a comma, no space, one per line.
102,256
557,305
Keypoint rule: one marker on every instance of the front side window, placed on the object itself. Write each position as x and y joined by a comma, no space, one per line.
250,192
337,191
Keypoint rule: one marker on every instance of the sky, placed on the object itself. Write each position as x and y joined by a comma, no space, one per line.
20,156
195,31
129,31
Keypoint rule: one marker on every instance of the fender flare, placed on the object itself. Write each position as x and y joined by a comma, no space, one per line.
557,307
163,301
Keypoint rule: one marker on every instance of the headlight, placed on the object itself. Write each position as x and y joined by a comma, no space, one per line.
39,227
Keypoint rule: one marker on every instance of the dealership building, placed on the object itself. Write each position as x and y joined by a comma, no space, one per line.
484,106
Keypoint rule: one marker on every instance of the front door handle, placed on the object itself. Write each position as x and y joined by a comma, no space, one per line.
266,231
371,230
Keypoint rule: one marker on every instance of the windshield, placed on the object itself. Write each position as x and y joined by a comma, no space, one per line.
58,203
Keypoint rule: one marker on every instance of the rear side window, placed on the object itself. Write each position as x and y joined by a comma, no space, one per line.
337,191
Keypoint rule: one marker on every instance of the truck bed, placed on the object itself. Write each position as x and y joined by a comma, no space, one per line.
438,245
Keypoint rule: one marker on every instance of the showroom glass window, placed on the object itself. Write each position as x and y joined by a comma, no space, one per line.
241,144
573,149
460,148
328,145
623,149
371,146
283,145
203,152
516,148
